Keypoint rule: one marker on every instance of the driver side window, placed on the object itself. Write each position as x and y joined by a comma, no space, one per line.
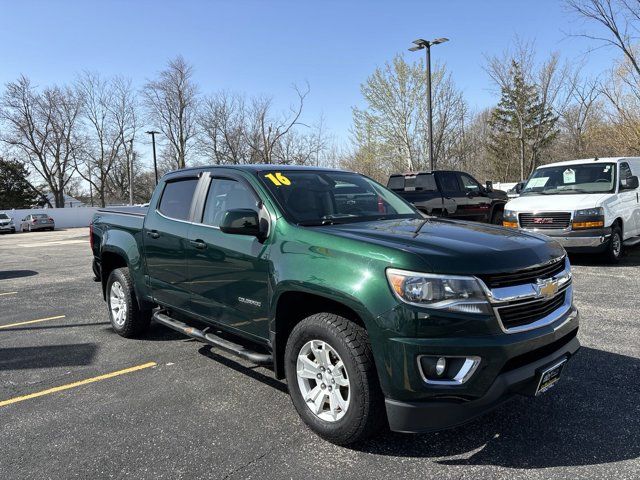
226,194
469,184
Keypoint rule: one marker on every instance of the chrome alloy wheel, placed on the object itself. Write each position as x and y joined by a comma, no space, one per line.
118,304
323,380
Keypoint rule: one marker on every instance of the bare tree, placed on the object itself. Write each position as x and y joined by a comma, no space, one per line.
172,103
42,127
267,130
223,123
109,116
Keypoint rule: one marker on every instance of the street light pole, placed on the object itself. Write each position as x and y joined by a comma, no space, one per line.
426,45
153,142
131,171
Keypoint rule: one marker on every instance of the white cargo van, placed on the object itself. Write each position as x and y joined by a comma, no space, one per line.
589,205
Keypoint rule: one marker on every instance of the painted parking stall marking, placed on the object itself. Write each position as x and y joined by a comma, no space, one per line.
5,294
80,383
28,322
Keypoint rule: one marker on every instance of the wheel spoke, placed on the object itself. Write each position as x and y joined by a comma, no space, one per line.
307,368
319,402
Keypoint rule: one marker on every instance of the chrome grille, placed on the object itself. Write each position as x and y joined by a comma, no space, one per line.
528,275
520,313
545,220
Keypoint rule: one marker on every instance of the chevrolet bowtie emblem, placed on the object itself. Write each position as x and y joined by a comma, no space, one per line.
546,288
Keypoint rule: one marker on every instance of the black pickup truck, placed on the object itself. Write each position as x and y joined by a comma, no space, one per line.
449,193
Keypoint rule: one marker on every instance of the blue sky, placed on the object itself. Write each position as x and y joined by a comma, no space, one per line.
262,47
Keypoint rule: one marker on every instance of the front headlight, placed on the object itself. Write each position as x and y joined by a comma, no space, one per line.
590,212
510,215
442,292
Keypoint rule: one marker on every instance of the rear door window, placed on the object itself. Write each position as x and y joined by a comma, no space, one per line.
426,182
449,182
396,183
176,198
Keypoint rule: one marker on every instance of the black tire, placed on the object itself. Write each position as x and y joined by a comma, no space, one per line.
136,321
497,217
365,414
614,250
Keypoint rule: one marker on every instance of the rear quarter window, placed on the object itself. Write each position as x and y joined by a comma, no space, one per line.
176,198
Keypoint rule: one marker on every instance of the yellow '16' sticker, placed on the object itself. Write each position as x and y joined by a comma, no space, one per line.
278,179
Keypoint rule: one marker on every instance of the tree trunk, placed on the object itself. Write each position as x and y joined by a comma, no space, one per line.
522,158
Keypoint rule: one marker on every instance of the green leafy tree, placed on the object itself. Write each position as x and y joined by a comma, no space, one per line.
521,123
15,189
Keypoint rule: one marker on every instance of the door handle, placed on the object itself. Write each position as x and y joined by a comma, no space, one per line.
153,233
199,244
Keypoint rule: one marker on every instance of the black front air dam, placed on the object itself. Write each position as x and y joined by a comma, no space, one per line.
428,416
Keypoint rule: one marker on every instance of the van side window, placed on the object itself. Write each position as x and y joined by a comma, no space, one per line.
226,194
625,171
176,198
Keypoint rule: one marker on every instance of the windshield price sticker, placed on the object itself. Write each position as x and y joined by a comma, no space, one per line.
569,176
278,179
537,182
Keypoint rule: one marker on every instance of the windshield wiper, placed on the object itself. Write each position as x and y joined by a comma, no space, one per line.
317,223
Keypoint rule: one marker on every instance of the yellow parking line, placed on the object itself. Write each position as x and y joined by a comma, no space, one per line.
76,384
32,321
7,293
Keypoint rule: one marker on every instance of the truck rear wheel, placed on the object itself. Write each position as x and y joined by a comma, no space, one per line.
332,379
126,317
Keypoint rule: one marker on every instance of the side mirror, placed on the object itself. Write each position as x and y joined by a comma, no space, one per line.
241,221
489,186
519,186
630,183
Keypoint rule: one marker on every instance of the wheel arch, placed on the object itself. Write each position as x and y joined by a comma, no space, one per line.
293,306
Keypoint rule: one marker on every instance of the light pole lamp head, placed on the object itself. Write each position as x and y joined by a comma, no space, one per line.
421,43
439,40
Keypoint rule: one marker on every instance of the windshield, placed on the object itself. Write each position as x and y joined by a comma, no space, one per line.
327,197
4,216
572,179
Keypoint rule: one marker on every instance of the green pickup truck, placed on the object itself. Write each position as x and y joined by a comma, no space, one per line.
376,315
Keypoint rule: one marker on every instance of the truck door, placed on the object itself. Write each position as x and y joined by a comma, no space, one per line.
228,273
451,193
628,199
164,240
477,206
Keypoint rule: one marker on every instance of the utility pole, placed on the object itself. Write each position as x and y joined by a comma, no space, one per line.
153,142
130,164
426,45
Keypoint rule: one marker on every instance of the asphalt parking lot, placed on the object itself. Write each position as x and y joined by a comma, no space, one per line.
78,401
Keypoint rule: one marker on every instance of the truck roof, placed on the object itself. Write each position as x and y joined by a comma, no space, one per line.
257,167
590,160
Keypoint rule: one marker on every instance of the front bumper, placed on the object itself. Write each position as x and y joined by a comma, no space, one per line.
579,240
438,414
7,228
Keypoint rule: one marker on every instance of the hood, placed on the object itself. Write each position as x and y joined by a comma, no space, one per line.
456,247
530,203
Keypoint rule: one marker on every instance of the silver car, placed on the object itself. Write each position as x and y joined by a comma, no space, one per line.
6,224
37,221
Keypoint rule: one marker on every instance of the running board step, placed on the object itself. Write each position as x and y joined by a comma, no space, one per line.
214,340
630,242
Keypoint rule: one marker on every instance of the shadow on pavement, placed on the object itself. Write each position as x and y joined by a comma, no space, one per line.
8,274
268,380
592,417
22,358
631,258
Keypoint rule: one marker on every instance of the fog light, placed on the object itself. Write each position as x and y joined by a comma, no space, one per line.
441,366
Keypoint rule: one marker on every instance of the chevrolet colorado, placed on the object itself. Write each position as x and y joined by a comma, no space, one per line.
375,315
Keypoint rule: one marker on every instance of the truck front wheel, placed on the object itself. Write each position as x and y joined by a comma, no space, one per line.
332,379
613,253
126,317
